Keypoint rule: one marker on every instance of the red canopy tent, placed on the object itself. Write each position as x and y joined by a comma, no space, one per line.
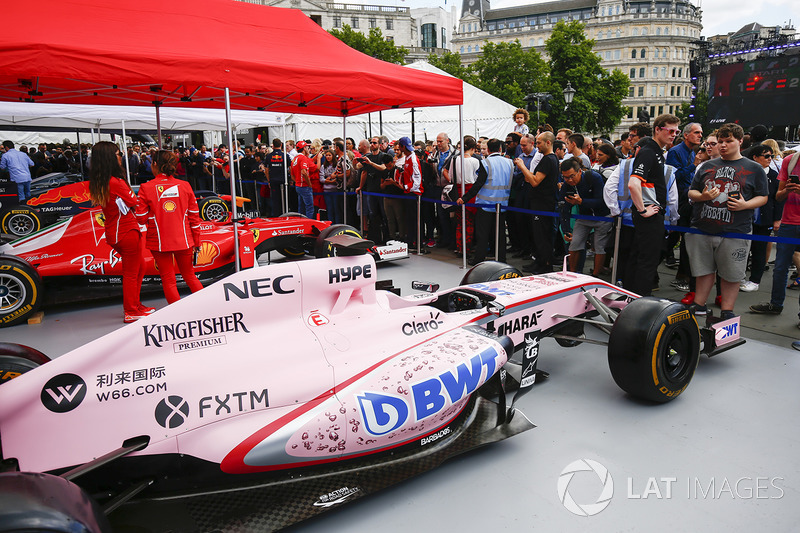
187,52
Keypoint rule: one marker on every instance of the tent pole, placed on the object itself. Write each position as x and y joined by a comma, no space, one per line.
80,154
285,191
125,153
412,126
233,178
344,170
463,188
380,120
158,125
92,131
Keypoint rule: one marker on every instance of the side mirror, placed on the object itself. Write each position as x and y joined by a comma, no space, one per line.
424,286
496,309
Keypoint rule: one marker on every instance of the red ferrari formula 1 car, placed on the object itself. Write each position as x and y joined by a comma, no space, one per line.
71,260
332,389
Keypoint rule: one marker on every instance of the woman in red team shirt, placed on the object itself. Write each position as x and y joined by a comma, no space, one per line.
119,204
173,224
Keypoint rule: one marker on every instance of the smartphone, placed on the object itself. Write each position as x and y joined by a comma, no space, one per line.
794,179
735,195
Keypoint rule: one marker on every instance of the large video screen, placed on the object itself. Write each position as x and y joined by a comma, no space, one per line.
766,91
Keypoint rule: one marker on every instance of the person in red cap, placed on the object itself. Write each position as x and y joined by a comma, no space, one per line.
302,167
173,224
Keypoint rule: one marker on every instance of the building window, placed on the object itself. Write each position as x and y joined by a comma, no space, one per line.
666,31
635,32
652,110
337,22
652,91
633,73
641,90
660,109
608,55
429,36
619,33
469,49
617,10
354,23
477,48
373,23
389,24
660,92
641,72
663,72
655,72
644,31
630,92
603,12
674,71
444,39
630,112
658,31
462,49
541,41
657,52
643,53
680,72
633,54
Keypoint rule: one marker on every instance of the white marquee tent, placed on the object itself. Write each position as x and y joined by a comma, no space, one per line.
484,115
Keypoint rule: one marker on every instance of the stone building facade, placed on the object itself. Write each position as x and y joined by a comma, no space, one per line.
650,41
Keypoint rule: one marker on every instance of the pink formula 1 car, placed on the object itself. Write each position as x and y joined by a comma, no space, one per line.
282,391
71,260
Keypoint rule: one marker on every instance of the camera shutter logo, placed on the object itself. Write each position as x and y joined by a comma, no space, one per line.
63,393
586,509
172,412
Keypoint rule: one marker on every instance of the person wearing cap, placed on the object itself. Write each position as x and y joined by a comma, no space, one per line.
410,179
302,167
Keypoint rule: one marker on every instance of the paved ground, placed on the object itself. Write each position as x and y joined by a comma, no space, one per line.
779,330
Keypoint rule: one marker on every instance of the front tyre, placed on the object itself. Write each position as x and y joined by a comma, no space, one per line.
16,359
20,291
326,249
654,348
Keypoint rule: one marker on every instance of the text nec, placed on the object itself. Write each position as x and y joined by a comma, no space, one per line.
340,275
256,288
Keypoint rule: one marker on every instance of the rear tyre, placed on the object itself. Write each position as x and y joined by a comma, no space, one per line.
490,271
20,221
654,348
324,249
214,209
20,291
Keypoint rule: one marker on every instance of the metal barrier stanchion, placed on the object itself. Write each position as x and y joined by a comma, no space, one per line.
463,234
419,224
496,232
616,251
361,217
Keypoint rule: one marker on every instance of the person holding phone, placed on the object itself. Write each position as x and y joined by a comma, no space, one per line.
725,192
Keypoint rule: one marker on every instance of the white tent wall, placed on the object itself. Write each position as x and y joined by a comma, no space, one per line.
484,115
33,138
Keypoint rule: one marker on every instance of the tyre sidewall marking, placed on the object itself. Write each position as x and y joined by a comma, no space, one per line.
34,292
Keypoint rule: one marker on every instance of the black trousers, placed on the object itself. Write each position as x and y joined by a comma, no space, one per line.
484,234
648,236
542,241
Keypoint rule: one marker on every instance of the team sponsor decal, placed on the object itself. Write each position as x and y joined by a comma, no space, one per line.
426,325
530,356
169,206
317,319
258,288
435,436
383,413
160,189
89,265
292,231
234,402
256,232
207,253
520,323
157,334
172,412
56,208
172,192
341,275
382,251
679,316
725,332
130,383
335,497
100,219
63,393
497,291
41,257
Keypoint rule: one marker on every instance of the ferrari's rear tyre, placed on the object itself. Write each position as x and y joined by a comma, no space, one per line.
16,359
20,291
324,249
489,271
20,221
654,348
214,209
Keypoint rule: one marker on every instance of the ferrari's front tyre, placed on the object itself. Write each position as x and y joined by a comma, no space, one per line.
654,348
20,221
20,291
214,209
325,249
490,271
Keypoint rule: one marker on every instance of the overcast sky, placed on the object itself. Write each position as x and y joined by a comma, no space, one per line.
719,16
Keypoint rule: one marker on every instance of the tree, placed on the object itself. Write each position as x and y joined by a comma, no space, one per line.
510,73
597,106
374,44
700,112
450,62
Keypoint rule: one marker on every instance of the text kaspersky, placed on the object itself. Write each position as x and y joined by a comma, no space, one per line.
158,333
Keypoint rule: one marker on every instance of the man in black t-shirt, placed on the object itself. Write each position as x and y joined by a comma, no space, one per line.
373,170
649,195
544,181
